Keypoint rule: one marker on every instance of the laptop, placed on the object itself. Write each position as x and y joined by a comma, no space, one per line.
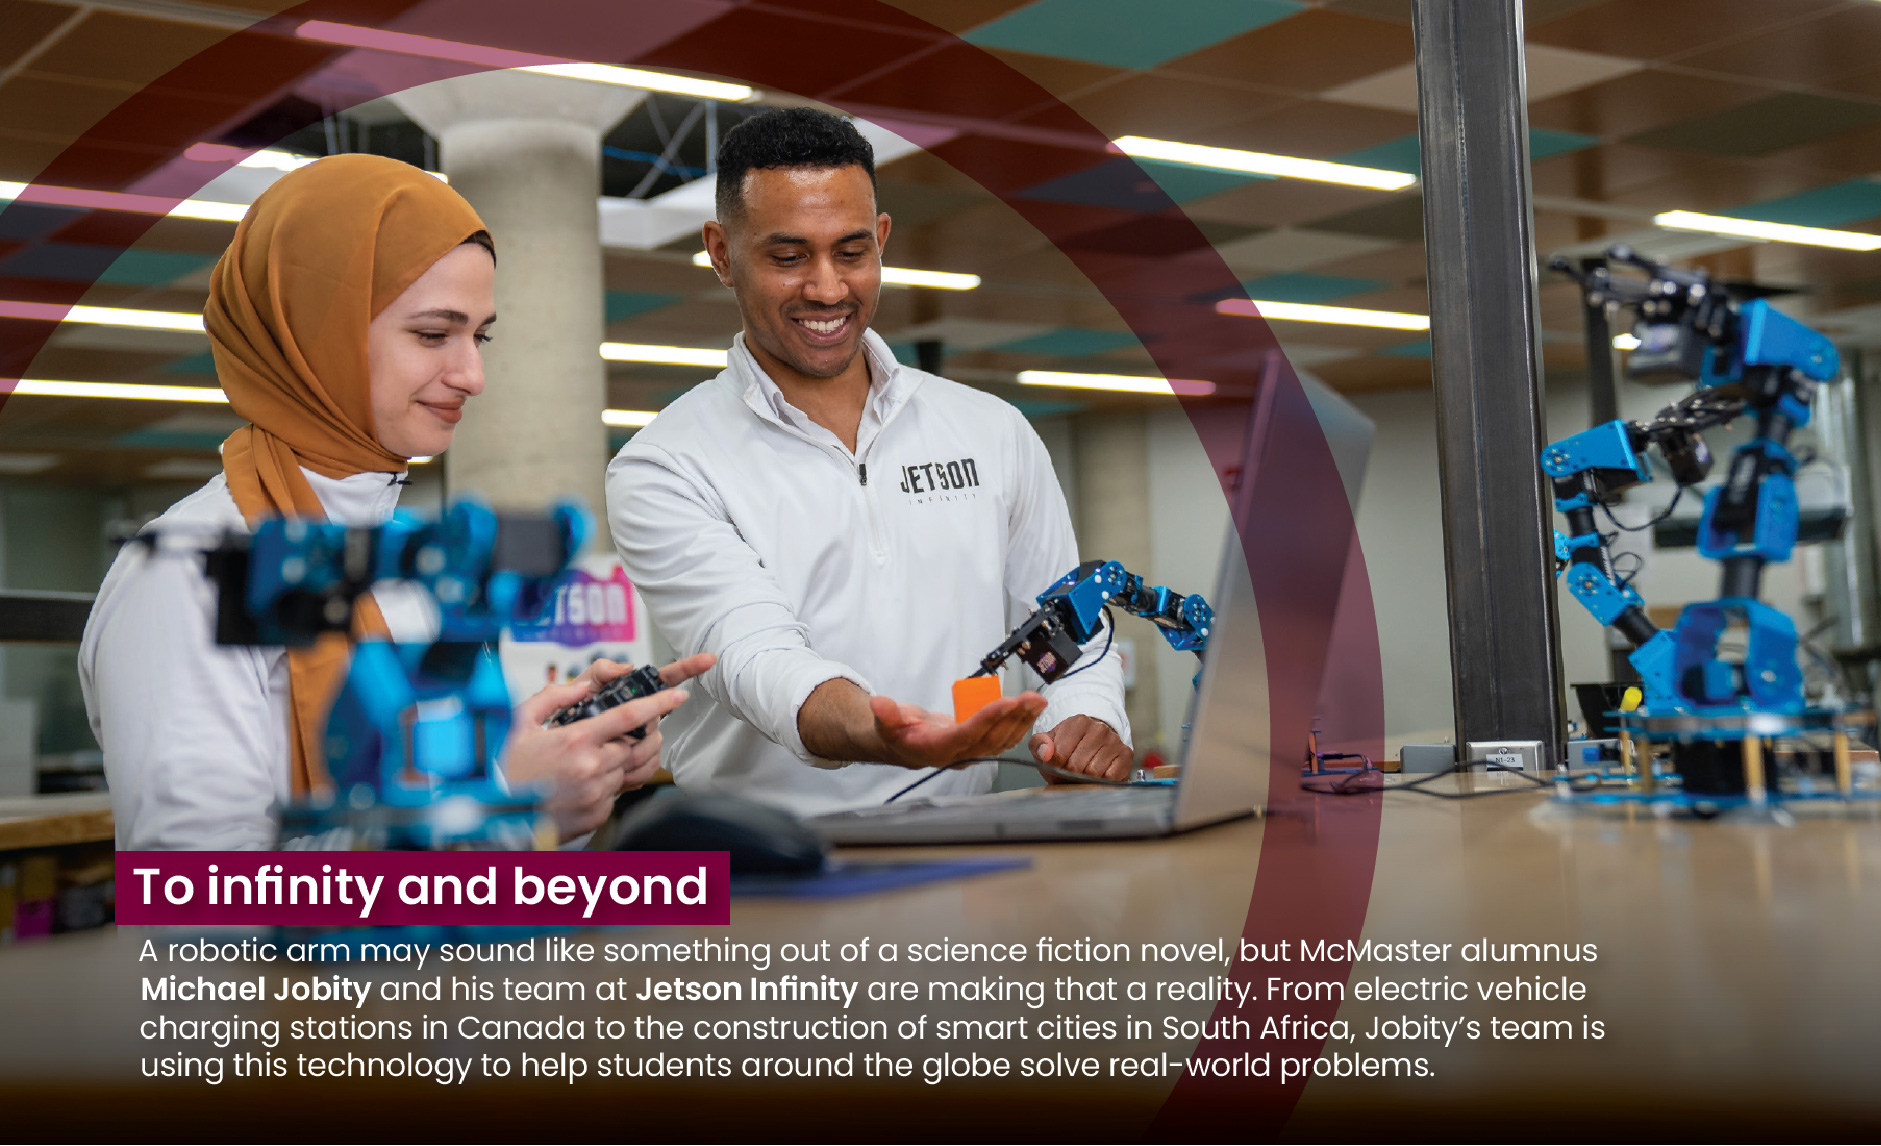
1224,755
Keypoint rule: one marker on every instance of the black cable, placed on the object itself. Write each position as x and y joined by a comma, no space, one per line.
1110,631
1670,506
1041,766
1639,566
1346,787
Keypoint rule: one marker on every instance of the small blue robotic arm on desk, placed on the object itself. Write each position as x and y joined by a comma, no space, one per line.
1071,614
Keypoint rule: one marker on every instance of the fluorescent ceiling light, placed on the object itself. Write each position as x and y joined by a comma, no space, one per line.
651,81
898,276
103,315
49,389
43,388
405,43
174,320
1773,232
267,158
666,355
1626,342
123,201
1260,163
938,280
1335,315
1122,383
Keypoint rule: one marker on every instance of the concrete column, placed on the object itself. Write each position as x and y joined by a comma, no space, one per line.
525,150
1113,522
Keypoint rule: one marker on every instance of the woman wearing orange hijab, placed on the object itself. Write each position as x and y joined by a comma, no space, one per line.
346,319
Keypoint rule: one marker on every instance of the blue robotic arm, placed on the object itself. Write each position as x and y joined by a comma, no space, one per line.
1071,613
1744,358
412,722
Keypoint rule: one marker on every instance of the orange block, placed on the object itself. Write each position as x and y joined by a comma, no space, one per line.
972,694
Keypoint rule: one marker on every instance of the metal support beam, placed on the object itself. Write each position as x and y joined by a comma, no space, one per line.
1479,243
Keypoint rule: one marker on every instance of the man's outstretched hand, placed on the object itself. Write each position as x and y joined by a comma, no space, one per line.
839,721
916,738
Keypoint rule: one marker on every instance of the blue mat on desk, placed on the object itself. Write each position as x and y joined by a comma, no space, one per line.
864,877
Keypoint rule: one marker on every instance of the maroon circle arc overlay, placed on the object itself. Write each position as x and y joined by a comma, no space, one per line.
1007,133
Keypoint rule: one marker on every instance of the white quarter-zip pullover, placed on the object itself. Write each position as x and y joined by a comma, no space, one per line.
754,533
195,733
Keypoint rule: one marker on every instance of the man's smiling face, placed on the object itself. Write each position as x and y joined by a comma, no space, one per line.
805,260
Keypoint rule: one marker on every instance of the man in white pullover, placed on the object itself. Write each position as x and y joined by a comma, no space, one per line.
838,528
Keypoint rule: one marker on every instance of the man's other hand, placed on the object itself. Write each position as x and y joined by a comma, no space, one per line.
1084,745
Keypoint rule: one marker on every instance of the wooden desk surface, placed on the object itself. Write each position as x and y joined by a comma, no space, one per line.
1737,973
49,821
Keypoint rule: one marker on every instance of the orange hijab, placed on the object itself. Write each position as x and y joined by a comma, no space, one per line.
317,257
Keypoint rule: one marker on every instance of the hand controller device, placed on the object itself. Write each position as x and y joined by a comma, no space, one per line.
643,681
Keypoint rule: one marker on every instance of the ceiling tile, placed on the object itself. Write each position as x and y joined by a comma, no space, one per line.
1638,101
1551,72
957,15
1060,77
1295,248
764,46
1773,124
1281,203
54,106
1297,286
1157,236
25,221
625,304
144,267
1126,33
1153,104
1834,43
124,49
1396,11
1855,152
1310,52
1665,27
932,82
968,333
1556,71
1314,129
23,23
1399,220
1071,342
1838,204
1122,183
67,262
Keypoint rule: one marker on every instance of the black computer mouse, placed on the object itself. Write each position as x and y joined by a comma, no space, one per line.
762,840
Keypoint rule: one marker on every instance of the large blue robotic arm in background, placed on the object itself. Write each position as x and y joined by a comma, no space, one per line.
1746,358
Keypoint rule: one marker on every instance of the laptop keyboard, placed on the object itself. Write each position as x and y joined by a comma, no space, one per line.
1039,806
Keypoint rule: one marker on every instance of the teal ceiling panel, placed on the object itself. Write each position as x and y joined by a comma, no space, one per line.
1830,206
1403,154
1298,286
154,268
1126,33
203,363
628,303
1071,342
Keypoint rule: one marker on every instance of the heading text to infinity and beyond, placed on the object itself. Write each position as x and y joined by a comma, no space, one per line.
269,886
